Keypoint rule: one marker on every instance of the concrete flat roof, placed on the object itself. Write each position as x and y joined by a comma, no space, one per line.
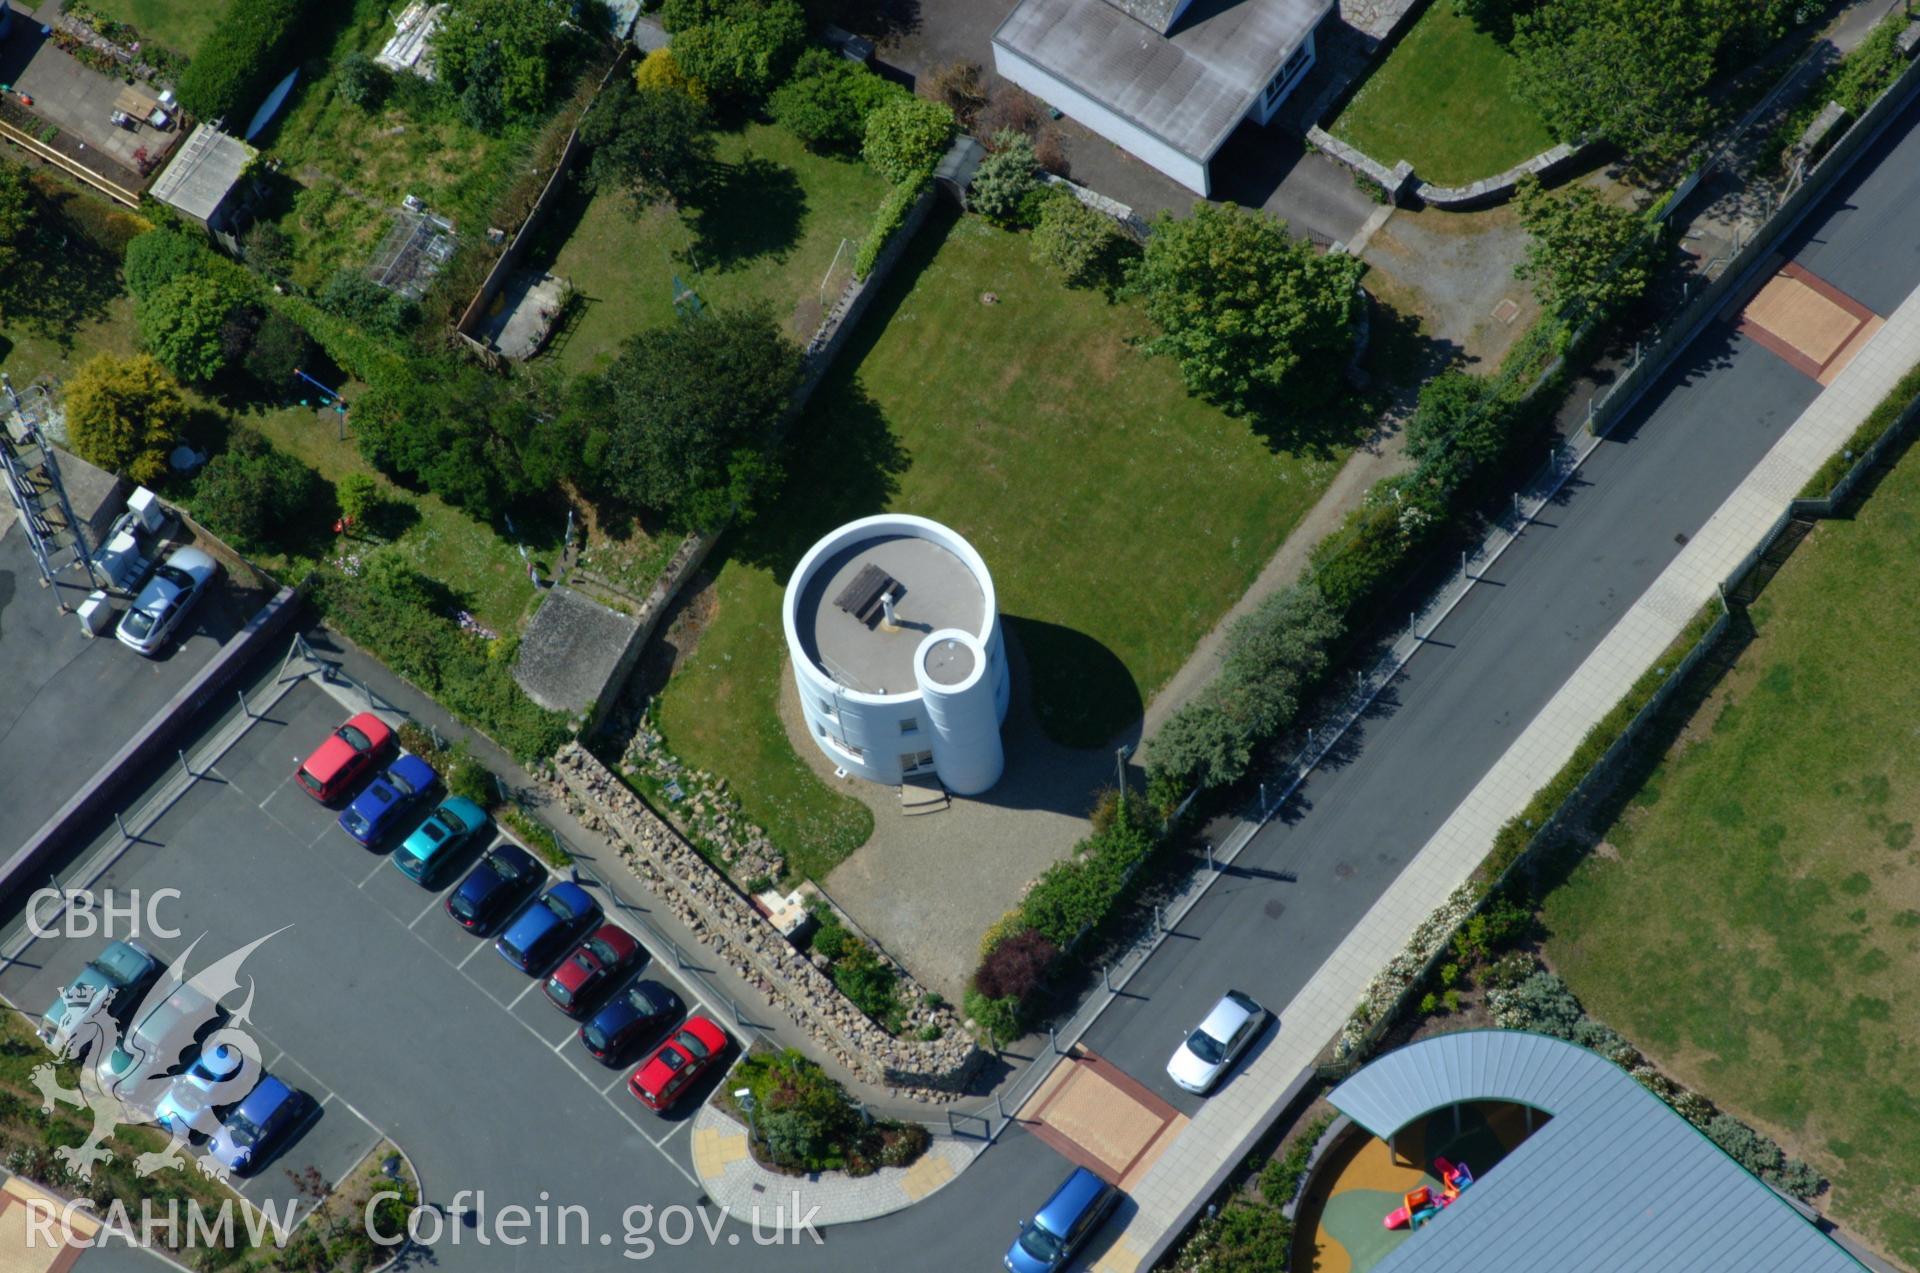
939,592
202,173
1189,87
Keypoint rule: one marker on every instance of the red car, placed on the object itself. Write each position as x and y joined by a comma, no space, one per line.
665,1076
350,753
596,966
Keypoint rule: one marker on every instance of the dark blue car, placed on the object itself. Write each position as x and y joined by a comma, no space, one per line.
385,802
630,1021
1077,1208
549,928
255,1128
495,889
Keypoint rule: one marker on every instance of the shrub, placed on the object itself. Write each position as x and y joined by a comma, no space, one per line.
360,80
278,347
1429,1004
1361,560
351,295
467,777
869,984
1280,1179
1074,895
1078,243
501,57
828,99
536,836
123,414
158,257
999,930
905,1143
998,1020
251,47
907,136
1541,1003
257,497
660,70
359,496
1004,179
887,221
830,937
1243,1237
736,49
1509,970
1761,1156
1493,927
181,324
1016,966
960,86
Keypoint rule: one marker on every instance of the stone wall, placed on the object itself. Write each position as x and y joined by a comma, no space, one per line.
1395,181
1130,221
727,924
1403,186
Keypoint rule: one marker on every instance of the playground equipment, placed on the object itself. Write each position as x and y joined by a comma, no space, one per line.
1423,1204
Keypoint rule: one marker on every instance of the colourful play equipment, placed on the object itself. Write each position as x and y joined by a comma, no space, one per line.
1423,1204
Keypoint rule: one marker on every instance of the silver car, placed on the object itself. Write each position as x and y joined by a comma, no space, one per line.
156,613
1211,1047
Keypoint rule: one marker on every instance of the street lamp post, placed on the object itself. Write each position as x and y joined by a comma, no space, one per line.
745,1096
1120,755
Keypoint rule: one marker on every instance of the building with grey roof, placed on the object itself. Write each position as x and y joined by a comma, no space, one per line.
1613,1180
1165,80
207,182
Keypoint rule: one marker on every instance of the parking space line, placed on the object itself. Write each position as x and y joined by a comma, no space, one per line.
427,910
531,982
479,946
619,1077
675,1131
371,874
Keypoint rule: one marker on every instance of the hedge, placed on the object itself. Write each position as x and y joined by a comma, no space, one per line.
1902,398
251,48
891,215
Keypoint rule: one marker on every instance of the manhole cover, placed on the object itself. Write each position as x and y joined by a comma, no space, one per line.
1344,870
1507,310
1275,908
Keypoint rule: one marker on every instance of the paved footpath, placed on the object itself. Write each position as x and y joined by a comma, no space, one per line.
1216,1135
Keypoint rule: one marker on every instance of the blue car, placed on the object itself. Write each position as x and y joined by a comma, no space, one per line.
189,1094
436,842
384,804
495,889
123,968
1078,1207
549,928
257,1125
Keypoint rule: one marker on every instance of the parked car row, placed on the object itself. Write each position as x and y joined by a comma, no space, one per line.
247,1131
550,929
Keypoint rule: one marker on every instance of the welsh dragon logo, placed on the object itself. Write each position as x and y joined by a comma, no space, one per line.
125,1080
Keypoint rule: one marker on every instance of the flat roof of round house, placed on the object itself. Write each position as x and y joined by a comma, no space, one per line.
840,618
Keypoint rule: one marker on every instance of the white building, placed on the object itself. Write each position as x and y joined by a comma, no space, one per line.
1165,80
895,640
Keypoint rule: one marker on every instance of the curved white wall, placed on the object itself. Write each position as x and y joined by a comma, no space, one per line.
957,726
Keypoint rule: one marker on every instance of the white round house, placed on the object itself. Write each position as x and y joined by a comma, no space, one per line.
895,640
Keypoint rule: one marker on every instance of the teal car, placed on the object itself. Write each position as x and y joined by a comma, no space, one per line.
435,844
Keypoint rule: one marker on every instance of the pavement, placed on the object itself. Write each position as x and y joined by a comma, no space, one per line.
80,101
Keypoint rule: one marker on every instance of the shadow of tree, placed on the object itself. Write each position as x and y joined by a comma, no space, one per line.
746,211
63,276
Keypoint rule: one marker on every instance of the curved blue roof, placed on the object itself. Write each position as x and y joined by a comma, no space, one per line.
1615,1181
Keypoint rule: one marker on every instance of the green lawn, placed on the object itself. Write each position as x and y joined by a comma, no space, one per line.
768,230
179,25
1444,102
1759,931
1119,516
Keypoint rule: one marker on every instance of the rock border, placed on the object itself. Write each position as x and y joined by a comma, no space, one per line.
1403,187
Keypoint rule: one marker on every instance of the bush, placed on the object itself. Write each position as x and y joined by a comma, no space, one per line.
1280,1179
828,99
1495,926
159,256
998,1020
250,48
351,295
905,1143
1761,1156
278,347
361,80
1074,895
537,837
831,940
501,58
181,324
1361,560
907,136
1016,966
1078,243
960,86
1243,1237
660,70
359,497
1004,179
887,221
872,986
736,49
257,497
1541,1003
123,415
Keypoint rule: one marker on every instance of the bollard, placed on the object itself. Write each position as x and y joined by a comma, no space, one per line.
679,960
1160,918
1263,806
439,743
738,1020
1209,847
122,824
1053,1040
184,765
244,709
1106,977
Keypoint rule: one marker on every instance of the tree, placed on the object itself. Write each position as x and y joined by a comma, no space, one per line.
500,57
279,347
1251,314
255,496
827,100
1076,242
1004,179
357,298
182,322
266,247
1581,252
906,137
693,409
123,414
359,497
737,49
158,257
19,213
1495,17
455,430
361,80
1631,72
1459,427
653,142
660,69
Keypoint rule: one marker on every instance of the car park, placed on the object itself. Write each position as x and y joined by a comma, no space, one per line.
124,969
388,798
347,756
595,967
629,1021
257,1125
1210,1048
436,843
664,1077
164,602
189,1094
1048,1241
505,878
536,938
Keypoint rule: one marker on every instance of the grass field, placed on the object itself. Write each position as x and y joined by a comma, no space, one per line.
179,25
1444,102
1119,516
768,230
1759,929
